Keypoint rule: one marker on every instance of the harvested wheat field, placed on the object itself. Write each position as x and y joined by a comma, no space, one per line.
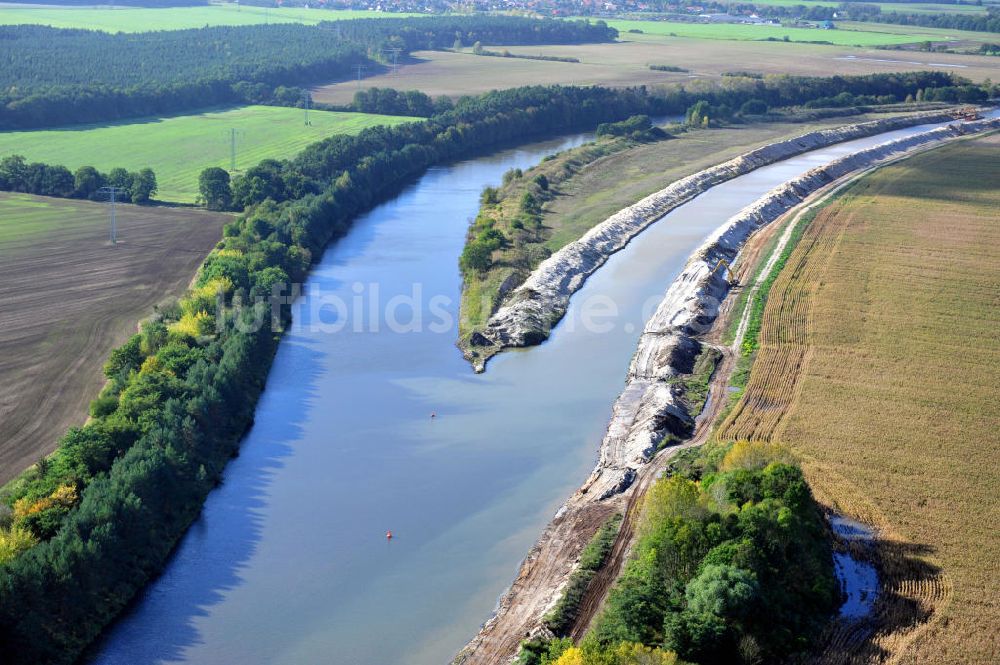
878,365
626,63
68,297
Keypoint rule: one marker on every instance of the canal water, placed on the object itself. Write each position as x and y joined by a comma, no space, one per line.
289,562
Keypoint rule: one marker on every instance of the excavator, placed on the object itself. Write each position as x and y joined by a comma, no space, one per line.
729,269
966,113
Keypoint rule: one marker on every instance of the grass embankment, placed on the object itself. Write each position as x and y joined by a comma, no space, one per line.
69,298
590,183
136,19
508,238
878,364
178,148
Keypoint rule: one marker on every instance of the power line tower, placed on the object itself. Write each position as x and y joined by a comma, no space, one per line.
394,52
234,136
306,101
359,70
332,27
112,193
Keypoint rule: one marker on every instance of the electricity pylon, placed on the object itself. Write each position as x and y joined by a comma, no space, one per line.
113,193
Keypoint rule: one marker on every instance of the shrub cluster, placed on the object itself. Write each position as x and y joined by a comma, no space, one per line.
561,617
637,128
733,563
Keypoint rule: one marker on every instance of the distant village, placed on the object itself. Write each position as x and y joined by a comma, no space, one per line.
705,12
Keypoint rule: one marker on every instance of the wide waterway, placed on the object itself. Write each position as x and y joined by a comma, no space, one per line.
289,562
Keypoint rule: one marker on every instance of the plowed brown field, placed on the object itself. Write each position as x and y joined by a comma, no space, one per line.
67,297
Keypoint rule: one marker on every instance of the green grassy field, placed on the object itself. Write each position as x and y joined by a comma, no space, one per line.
874,36
23,216
132,19
901,7
178,148
932,34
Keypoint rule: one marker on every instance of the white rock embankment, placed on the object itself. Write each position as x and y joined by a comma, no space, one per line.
530,310
648,408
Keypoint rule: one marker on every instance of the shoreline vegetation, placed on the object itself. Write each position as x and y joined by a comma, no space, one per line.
509,239
91,524
85,528
732,562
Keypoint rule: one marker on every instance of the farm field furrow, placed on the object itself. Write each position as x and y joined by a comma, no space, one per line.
178,148
69,297
878,367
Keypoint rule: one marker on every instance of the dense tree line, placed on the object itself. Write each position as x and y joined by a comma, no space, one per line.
752,95
52,76
511,115
733,564
90,525
987,22
388,101
19,175
387,156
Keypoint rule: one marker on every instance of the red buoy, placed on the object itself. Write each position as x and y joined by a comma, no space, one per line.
388,535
